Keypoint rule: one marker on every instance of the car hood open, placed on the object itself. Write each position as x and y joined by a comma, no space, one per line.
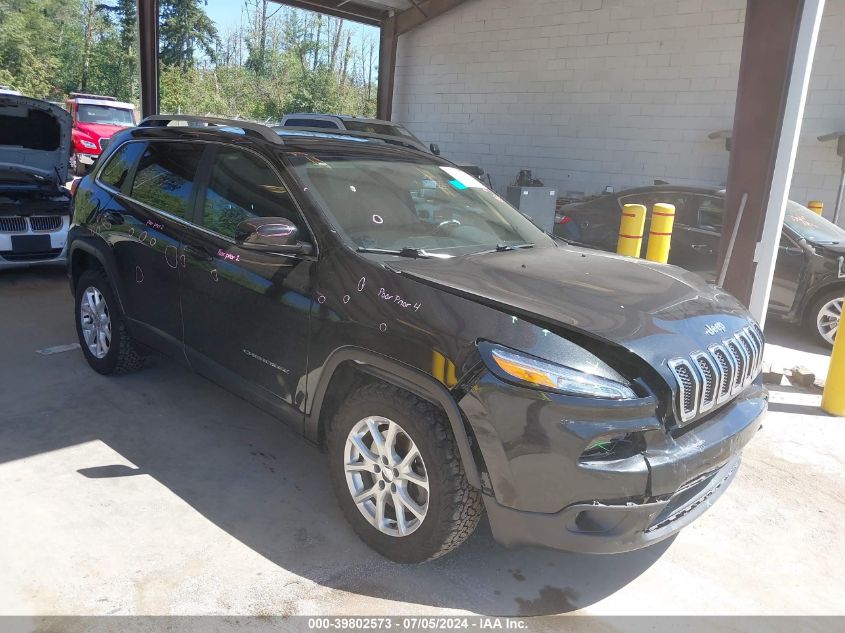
35,138
656,311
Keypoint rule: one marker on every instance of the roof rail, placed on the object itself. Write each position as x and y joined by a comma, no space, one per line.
85,95
262,131
387,138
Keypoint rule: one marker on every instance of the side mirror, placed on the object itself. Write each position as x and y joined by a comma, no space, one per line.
272,235
104,143
435,149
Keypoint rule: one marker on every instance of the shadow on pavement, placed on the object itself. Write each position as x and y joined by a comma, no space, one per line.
793,336
251,476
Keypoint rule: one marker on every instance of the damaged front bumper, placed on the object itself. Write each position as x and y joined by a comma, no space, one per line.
543,486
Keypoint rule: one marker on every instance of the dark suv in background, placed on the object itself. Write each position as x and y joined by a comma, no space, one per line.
809,281
392,309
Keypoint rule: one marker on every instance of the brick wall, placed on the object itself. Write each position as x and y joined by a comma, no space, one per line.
591,93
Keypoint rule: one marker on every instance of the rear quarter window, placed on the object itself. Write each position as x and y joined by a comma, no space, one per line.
116,171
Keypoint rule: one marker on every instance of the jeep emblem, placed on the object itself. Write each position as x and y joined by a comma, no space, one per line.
715,328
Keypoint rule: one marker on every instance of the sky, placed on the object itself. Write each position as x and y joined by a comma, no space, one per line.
227,13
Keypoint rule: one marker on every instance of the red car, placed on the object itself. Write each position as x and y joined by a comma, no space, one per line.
95,118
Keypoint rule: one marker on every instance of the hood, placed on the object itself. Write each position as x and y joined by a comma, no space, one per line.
34,142
99,130
654,310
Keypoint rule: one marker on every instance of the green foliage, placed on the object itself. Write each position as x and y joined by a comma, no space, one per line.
294,60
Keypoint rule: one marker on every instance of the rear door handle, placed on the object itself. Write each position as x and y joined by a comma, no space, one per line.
702,248
112,217
198,253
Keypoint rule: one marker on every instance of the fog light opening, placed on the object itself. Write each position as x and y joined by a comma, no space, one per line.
613,446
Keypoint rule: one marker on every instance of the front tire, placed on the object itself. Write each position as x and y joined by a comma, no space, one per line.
76,165
398,476
825,315
101,328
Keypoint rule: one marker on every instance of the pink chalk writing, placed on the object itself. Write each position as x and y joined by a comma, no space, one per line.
399,301
229,257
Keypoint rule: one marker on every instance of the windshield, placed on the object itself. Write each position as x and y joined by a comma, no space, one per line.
812,227
392,205
106,115
380,128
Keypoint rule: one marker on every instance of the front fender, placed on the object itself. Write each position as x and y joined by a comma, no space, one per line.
400,375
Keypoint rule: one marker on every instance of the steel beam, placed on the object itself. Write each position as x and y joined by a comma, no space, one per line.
388,44
777,54
422,12
148,55
338,8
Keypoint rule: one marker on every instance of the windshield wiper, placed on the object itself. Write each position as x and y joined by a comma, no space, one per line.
410,253
501,248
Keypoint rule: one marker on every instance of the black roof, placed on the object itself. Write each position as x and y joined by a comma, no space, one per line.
285,141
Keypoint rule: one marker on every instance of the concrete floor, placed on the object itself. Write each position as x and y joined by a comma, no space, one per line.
159,493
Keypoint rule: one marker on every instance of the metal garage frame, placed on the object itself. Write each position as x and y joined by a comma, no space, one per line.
777,54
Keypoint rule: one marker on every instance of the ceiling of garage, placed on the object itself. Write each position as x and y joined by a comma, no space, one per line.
368,11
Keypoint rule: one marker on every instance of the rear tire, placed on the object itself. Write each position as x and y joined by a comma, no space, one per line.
101,328
450,507
824,316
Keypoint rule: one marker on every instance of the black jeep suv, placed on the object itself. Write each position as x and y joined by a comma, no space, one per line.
449,355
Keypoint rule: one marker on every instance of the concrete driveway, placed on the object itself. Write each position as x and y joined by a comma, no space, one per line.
159,493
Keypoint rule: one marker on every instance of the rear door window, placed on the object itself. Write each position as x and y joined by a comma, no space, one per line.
116,172
165,176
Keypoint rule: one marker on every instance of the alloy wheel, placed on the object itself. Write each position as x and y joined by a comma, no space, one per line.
827,320
386,476
96,322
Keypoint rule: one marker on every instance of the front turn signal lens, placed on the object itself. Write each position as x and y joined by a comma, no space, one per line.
558,378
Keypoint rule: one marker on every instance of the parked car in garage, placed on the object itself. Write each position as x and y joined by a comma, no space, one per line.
359,125
394,310
95,119
809,281
34,204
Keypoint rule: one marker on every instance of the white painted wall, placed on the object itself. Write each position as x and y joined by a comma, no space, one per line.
590,93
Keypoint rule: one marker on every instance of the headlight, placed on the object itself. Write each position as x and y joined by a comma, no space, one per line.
89,144
566,380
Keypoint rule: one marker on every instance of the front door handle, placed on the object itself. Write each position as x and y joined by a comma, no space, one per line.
702,248
198,253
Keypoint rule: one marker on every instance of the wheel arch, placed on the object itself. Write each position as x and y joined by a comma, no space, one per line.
85,256
348,364
812,298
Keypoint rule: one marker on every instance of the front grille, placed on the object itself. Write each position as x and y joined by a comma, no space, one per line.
12,224
706,379
45,222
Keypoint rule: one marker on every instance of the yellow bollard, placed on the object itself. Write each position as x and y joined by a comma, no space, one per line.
631,230
816,206
833,399
660,235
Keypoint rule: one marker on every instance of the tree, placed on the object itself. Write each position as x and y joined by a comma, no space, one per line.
185,30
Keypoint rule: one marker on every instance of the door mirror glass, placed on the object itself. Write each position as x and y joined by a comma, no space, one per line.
435,149
270,234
